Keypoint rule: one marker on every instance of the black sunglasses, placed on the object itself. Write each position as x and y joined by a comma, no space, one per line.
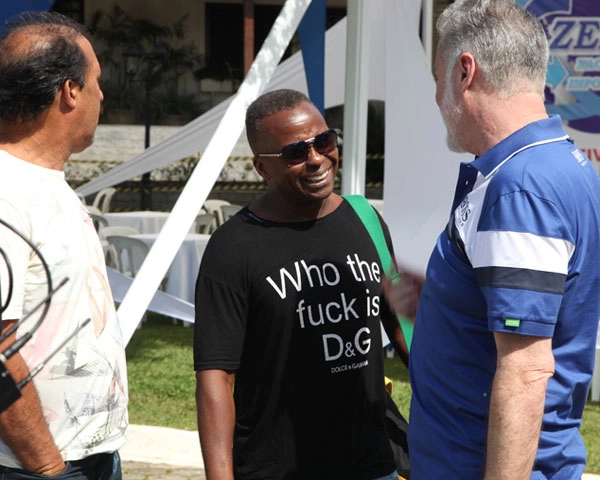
297,152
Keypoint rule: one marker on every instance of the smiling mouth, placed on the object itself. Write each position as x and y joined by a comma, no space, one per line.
317,178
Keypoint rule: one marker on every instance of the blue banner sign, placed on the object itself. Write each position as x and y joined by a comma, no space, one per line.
573,80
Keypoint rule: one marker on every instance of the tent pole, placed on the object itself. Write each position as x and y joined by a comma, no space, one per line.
427,29
356,98
248,34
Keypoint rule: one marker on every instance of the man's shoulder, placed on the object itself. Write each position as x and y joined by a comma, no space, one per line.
542,168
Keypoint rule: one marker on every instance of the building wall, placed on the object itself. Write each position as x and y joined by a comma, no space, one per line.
167,13
171,11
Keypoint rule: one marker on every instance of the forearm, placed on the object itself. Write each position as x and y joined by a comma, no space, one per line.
514,427
24,430
392,329
516,412
216,423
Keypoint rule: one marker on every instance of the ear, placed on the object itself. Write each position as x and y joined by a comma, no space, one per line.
70,91
260,167
467,67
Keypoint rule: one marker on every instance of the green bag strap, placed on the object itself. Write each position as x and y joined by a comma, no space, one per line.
367,214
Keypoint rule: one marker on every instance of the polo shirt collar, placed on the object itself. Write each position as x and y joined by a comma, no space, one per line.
542,131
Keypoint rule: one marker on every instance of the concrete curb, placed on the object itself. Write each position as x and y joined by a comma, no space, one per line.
169,446
162,445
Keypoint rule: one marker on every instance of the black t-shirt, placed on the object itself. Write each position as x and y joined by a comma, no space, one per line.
294,309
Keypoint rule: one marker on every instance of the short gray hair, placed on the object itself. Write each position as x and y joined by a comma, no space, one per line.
508,43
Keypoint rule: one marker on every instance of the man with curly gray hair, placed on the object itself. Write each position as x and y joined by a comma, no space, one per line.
504,341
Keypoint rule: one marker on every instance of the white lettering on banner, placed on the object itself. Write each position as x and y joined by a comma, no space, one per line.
583,84
587,64
334,346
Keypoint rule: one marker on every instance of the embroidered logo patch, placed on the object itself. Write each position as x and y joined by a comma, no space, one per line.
512,322
581,158
463,211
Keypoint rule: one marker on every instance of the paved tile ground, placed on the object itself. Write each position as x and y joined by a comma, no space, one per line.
155,471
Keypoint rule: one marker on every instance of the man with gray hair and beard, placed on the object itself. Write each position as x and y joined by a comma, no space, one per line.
504,340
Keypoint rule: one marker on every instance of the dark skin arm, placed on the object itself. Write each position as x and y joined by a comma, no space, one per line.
402,297
22,425
216,421
394,333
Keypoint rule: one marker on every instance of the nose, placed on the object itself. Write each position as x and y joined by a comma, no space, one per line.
314,157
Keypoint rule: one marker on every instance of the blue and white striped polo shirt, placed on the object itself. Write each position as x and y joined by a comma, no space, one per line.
520,254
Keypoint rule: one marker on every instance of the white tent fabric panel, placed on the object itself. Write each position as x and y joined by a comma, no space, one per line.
419,168
161,302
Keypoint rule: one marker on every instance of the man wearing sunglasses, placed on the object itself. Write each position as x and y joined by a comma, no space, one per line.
288,305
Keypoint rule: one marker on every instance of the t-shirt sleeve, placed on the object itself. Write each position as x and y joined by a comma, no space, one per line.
220,324
520,256
385,309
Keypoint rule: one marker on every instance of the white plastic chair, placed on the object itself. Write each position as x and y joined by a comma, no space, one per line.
214,206
119,230
103,198
204,223
126,247
99,221
96,215
130,253
112,256
92,209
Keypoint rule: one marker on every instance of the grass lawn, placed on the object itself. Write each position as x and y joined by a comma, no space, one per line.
162,383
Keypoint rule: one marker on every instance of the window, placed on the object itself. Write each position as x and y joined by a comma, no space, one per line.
225,34
70,8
